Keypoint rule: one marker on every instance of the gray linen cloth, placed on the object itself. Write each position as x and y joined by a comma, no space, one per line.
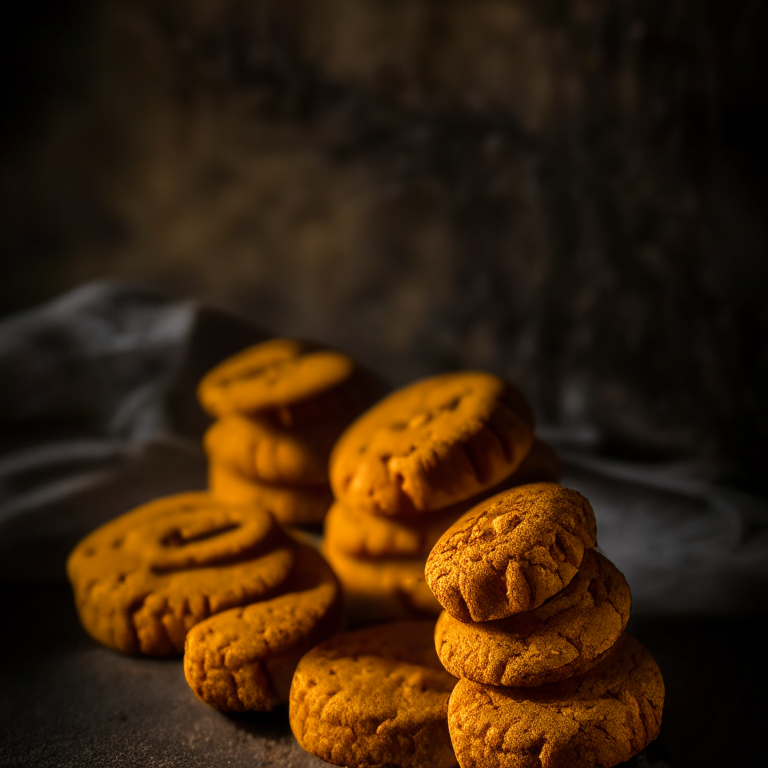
98,414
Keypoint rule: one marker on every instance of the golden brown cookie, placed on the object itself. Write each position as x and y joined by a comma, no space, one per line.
511,552
384,589
598,719
289,505
243,659
260,447
143,580
374,698
361,534
432,444
295,380
565,636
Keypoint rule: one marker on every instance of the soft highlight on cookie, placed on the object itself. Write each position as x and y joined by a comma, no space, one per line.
567,635
595,720
432,444
143,580
512,552
374,698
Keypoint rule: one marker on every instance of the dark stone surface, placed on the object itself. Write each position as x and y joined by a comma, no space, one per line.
68,702
65,702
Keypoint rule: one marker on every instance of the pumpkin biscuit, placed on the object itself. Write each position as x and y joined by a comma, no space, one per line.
431,444
376,697
290,505
384,589
143,580
511,552
565,636
266,450
361,534
295,380
243,659
597,719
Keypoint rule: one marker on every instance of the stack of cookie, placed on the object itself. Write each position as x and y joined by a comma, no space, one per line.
406,469
281,405
534,626
247,599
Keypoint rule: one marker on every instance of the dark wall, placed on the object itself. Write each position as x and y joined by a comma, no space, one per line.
571,194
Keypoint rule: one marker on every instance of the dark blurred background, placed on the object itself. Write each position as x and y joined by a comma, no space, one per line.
570,194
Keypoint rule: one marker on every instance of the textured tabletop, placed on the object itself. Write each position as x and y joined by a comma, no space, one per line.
67,702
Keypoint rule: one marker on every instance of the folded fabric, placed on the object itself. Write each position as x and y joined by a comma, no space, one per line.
98,413
686,545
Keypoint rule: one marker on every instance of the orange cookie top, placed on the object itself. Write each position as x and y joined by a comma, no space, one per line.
144,579
432,444
511,552
273,374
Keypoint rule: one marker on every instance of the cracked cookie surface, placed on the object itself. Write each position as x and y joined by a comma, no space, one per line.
289,505
511,552
567,635
243,659
143,580
264,449
431,444
383,589
376,697
598,719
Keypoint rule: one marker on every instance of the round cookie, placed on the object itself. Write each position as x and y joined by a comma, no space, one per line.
374,698
595,720
294,379
143,580
565,636
290,505
383,589
358,533
264,449
511,552
242,660
432,444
